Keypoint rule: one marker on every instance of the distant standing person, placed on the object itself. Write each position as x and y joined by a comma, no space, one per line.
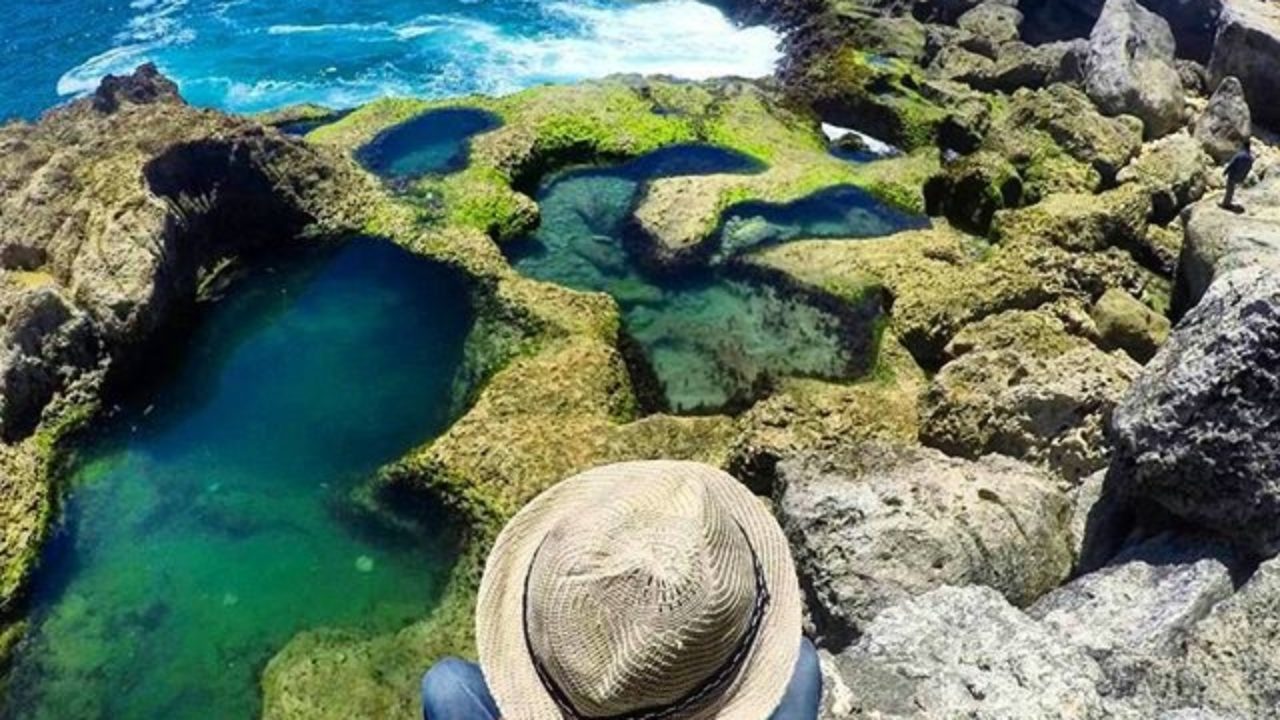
1237,170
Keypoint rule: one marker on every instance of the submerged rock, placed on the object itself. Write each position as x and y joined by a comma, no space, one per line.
1130,67
873,524
1226,122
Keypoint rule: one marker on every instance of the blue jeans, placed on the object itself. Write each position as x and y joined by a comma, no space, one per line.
455,690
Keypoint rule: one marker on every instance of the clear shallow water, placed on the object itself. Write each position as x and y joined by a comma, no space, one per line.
711,334
433,142
211,522
250,55
838,212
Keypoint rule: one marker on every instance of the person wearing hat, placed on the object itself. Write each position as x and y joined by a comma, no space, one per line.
657,590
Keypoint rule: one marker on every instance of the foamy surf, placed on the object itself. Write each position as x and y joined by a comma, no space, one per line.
355,56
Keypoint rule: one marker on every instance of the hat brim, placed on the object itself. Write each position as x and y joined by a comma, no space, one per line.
500,637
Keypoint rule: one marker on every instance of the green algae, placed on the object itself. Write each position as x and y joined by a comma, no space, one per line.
197,518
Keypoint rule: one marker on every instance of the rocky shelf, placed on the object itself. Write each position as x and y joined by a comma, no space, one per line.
1051,493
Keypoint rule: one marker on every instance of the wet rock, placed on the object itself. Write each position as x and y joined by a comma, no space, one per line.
1125,323
873,524
989,26
1226,122
1174,170
1046,403
1130,67
1197,434
965,652
1248,48
1144,601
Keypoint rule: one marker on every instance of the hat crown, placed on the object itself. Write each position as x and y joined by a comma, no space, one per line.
640,602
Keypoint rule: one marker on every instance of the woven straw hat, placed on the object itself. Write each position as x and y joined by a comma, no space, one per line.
647,590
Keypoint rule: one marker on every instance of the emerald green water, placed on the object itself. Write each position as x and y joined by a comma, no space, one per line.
212,521
714,335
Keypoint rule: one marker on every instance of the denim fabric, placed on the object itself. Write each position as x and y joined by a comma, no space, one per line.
455,690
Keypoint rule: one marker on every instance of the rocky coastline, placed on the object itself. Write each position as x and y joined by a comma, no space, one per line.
1053,493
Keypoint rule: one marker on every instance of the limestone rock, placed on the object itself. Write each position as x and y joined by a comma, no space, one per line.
1233,656
971,190
1226,122
1218,241
1047,405
1078,221
990,25
965,652
1248,48
1174,170
1144,601
1130,67
872,524
1124,323
1198,432
1019,65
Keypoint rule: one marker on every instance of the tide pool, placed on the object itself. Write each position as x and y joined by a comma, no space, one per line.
714,336
212,520
252,55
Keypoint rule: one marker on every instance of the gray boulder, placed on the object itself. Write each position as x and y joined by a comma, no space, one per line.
1199,432
967,653
1248,47
874,524
1233,657
1143,602
1218,241
1130,67
1225,124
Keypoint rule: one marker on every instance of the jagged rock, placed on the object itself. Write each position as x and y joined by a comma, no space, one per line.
954,62
1192,21
1019,65
1125,323
1232,659
965,652
1160,247
1194,76
146,85
989,25
1198,432
872,524
1130,67
1174,170
1218,240
971,190
1143,601
1045,402
1101,522
47,344
1078,221
1060,141
1248,47
1226,123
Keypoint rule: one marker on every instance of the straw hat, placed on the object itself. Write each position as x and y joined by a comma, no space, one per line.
647,590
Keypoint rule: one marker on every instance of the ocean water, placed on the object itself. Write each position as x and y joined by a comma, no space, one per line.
212,519
251,55
711,335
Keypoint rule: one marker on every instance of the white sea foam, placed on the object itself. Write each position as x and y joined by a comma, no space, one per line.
684,38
